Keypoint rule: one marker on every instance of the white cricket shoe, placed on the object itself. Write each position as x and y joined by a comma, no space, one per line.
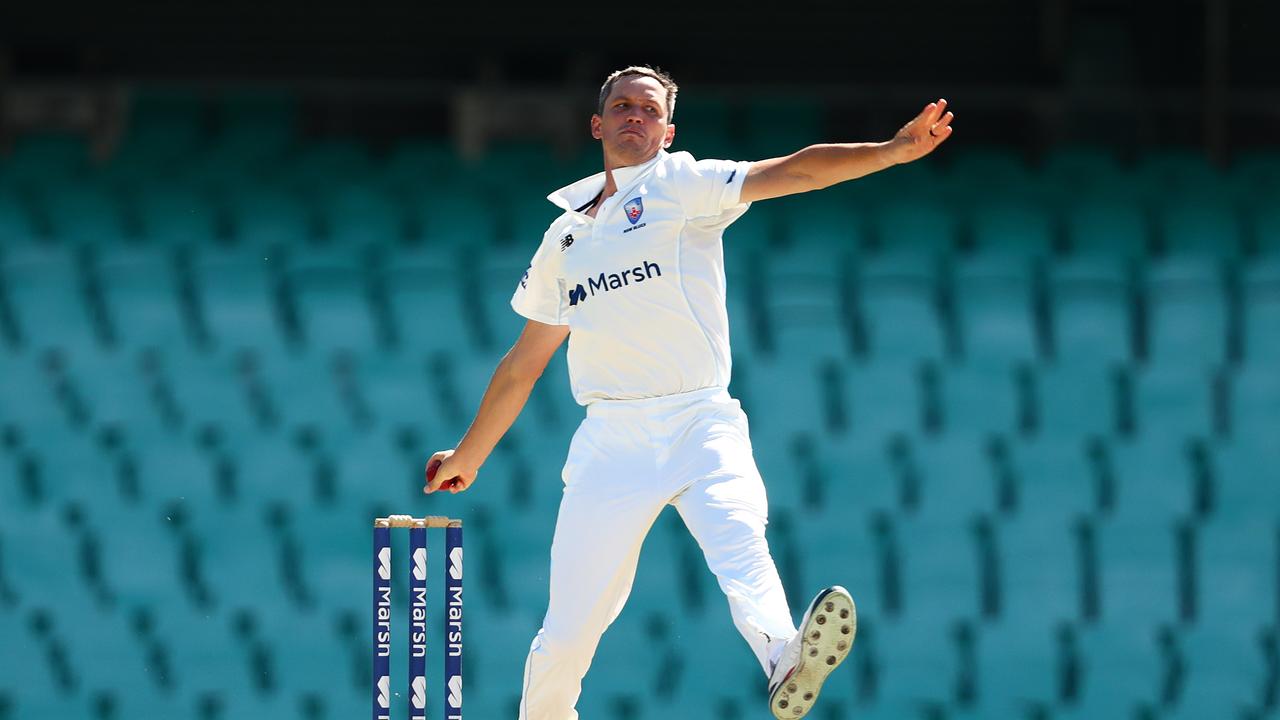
825,636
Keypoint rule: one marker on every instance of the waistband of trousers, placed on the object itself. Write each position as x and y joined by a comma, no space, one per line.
615,408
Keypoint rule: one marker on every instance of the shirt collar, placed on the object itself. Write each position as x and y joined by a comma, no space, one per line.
575,195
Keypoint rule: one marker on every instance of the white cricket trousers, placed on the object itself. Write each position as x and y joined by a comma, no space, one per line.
627,461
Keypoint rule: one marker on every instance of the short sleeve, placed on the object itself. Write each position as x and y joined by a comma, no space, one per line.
539,294
708,188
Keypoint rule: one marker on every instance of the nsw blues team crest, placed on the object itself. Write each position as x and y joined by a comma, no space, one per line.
634,208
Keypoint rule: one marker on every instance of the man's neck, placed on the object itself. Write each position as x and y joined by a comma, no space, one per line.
610,185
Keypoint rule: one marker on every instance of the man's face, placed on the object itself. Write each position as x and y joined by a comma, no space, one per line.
634,124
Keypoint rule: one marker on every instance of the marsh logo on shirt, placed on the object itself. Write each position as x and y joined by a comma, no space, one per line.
604,282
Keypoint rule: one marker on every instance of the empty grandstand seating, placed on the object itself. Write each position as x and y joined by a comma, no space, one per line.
1027,414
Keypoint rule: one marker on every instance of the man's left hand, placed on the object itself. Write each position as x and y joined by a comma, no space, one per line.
923,134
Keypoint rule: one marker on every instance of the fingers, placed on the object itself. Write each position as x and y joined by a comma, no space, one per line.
459,484
942,129
444,472
931,112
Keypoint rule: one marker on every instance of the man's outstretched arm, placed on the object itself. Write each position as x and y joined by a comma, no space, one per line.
505,397
820,166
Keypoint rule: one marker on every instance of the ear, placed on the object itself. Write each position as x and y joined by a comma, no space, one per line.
671,136
596,131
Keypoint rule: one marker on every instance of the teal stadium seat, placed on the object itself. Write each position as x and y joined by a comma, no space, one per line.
1054,482
1089,301
1077,170
1137,575
84,211
917,664
1261,290
1172,404
840,549
1040,567
1075,402
897,296
957,485
1108,225
26,396
925,229
1188,312
418,162
143,294
1003,172
781,415
28,681
749,334
993,300
330,291
805,297
239,294
777,126
45,286
429,301
1265,222
706,128
1205,226
1178,172
1121,669
1245,490
500,270
361,212
835,219
266,216
1155,484
173,215
1016,227
855,478
883,399
976,403
19,225
315,165
1224,673
1017,667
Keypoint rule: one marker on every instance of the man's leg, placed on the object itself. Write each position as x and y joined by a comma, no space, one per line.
726,515
602,523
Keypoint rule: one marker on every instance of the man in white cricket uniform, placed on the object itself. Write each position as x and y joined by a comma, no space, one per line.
632,273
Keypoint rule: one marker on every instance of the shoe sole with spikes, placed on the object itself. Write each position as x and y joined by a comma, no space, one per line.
829,628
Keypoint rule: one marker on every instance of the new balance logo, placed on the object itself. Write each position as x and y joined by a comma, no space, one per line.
604,282
565,242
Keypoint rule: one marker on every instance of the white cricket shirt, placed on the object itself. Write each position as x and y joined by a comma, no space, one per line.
642,284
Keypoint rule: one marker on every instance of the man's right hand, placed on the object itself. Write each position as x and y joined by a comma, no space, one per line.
448,471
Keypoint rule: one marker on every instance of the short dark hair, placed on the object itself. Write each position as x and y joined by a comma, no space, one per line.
646,71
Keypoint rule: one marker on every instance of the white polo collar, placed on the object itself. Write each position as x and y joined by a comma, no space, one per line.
573,196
